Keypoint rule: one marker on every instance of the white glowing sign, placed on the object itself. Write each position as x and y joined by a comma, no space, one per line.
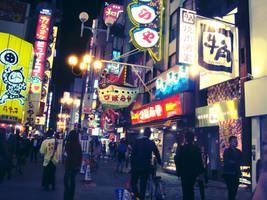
187,36
146,37
143,14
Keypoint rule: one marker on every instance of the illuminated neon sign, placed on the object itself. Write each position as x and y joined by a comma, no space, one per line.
16,57
147,17
163,109
174,81
40,45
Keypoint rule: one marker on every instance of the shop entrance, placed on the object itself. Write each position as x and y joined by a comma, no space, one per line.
209,138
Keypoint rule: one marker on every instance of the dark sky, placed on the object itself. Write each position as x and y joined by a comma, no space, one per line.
69,41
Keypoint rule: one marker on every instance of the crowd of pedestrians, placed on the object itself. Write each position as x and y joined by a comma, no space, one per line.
16,148
191,161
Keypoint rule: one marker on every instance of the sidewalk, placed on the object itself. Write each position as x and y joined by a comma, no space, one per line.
105,181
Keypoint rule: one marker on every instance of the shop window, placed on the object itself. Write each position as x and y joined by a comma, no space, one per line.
173,26
172,60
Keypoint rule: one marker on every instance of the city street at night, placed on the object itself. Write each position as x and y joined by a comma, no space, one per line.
133,100
105,181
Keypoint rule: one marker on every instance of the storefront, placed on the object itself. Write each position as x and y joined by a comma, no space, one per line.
255,102
163,118
215,124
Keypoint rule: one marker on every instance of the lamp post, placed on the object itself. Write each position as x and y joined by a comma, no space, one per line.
84,67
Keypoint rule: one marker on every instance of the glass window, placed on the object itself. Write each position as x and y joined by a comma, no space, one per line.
173,26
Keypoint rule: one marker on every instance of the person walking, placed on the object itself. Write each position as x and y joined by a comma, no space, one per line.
122,148
141,165
3,154
112,147
189,165
34,148
11,148
73,161
232,158
49,149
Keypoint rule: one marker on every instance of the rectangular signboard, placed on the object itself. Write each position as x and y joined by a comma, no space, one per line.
15,66
219,112
162,109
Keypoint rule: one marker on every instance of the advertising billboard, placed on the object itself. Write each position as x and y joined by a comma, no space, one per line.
40,45
112,11
147,18
217,51
16,57
162,109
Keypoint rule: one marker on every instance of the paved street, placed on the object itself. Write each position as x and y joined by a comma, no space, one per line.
105,181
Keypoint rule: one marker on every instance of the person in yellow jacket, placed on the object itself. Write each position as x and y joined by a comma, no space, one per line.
49,149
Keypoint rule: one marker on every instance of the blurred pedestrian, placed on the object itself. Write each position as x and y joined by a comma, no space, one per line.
122,148
11,148
189,165
3,154
72,164
103,150
34,148
205,161
50,150
141,166
20,152
232,158
112,147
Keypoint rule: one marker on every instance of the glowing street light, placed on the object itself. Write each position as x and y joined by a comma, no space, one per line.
73,60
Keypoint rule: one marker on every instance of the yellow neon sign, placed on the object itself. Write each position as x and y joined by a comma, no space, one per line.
15,71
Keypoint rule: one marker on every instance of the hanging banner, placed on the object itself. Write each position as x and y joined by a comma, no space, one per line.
16,57
215,46
162,109
147,17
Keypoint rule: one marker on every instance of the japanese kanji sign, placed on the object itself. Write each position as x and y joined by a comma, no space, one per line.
113,11
115,96
40,46
162,109
187,35
147,16
215,46
16,57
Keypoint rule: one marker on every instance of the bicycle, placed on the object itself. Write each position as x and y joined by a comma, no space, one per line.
155,186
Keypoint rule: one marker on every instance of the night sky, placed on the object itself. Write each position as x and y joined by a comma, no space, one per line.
69,41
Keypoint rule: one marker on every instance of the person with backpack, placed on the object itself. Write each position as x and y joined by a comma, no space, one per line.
49,149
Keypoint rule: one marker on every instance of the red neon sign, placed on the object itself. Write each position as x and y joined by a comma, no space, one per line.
40,49
43,27
162,109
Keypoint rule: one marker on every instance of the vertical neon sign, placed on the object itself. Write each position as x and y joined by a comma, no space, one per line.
147,17
40,45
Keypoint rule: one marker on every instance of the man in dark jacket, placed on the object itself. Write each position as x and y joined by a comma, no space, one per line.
232,158
141,162
189,165
72,164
